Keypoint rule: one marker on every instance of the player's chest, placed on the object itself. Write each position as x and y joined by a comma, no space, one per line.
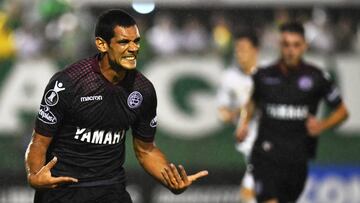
241,88
107,107
292,89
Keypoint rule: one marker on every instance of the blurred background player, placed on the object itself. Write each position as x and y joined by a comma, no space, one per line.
234,92
287,94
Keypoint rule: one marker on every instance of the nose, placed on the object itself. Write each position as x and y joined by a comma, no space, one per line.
134,47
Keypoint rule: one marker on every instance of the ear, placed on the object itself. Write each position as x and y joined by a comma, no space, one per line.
101,44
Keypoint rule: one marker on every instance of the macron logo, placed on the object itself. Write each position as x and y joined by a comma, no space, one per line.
91,98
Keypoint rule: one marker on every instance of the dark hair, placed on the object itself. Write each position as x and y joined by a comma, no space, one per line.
295,27
108,20
247,34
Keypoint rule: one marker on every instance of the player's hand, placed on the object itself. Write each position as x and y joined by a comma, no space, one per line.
43,178
241,132
179,182
314,126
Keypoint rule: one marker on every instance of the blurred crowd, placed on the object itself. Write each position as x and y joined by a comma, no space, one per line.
60,30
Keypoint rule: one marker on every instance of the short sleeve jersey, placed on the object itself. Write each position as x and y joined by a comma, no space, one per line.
285,102
87,118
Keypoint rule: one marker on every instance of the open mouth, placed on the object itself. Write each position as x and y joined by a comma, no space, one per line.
131,57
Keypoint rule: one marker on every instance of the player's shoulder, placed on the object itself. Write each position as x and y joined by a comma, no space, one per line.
266,69
81,68
308,66
231,70
233,73
61,77
142,83
315,70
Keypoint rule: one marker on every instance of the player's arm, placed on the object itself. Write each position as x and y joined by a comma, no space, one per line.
38,174
248,110
246,114
155,163
337,116
226,115
332,97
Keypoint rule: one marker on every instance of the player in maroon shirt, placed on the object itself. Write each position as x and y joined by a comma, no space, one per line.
288,94
77,148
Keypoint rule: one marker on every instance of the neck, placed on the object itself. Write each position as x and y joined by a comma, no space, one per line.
285,67
293,66
249,67
108,72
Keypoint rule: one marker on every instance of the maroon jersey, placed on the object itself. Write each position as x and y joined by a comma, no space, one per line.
285,102
87,117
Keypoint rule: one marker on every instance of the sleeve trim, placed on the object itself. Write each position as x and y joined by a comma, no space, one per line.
145,139
43,132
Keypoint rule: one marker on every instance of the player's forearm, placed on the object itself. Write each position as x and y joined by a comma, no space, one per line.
35,154
227,116
246,113
336,117
153,161
34,158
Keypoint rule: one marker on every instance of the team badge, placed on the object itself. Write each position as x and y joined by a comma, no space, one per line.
46,116
52,97
135,99
305,83
153,122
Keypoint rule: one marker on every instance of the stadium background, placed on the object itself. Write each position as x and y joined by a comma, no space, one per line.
185,46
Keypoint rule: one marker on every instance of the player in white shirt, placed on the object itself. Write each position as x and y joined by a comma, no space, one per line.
234,93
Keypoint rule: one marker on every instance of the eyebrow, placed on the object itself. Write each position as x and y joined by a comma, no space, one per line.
127,40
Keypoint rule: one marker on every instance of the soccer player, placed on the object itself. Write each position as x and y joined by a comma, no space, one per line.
234,93
287,94
77,149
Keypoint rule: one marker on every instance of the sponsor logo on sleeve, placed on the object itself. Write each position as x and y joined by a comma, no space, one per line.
46,116
327,75
333,95
135,99
153,122
51,97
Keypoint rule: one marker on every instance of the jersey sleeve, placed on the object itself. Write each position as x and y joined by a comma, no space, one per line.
145,126
223,95
329,90
54,104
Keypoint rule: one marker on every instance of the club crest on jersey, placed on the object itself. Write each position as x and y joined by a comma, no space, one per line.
46,116
305,83
135,99
51,97
153,122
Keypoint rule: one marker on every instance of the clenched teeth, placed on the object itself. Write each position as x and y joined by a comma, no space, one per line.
130,57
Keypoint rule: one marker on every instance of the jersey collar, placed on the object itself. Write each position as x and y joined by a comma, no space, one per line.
285,71
96,61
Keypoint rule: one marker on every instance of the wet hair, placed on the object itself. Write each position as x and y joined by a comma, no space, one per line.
108,20
294,27
249,35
